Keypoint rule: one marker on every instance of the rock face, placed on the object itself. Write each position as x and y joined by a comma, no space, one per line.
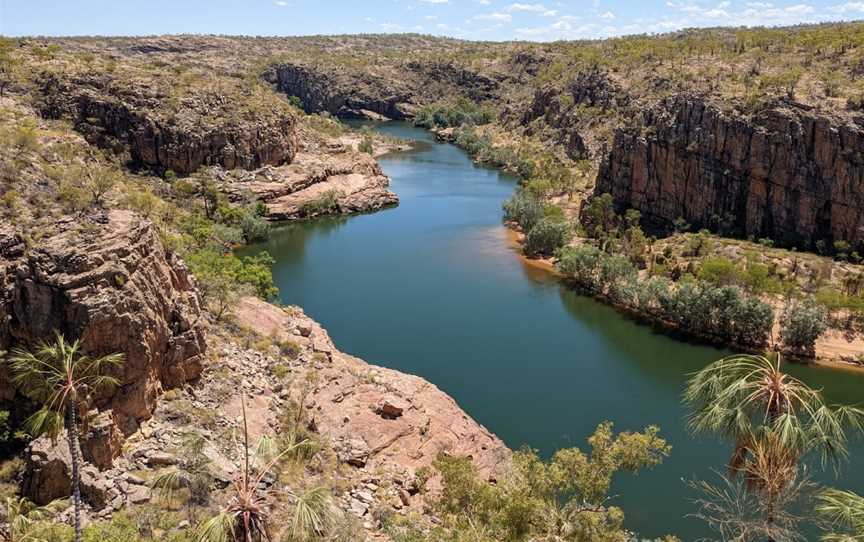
562,109
315,184
115,287
341,94
362,93
205,130
786,173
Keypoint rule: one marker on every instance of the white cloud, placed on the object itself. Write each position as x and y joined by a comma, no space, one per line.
281,3
607,15
436,1
484,2
531,8
431,17
496,17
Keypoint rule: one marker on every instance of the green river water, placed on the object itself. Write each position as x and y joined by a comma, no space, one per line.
434,287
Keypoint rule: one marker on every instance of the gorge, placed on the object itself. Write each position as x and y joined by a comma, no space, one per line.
435,287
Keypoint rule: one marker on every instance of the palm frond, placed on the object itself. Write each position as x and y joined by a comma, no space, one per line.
312,512
45,422
219,528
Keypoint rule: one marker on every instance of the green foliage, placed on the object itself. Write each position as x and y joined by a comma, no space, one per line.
295,102
524,209
366,143
447,115
749,399
723,312
718,271
481,148
223,277
254,227
326,203
562,499
841,514
803,324
547,236
600,217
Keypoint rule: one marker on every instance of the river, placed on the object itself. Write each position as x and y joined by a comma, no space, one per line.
435,288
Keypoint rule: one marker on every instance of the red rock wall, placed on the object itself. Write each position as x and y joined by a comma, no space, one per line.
118,290
787,173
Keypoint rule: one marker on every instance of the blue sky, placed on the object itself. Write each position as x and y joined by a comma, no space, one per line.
469,19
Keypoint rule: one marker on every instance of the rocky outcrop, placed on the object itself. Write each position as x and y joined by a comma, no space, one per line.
377,419
111,283
364,93
341,182
564,110
786,173
342,94
206,129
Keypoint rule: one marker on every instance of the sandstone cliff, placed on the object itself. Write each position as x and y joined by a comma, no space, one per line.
392,94
208,128
108,281
786,173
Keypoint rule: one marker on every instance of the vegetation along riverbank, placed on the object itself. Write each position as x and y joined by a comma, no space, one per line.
151,388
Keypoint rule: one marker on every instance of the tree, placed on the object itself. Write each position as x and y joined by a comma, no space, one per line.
745,397
59,377
100,179
547,236
10,66
524,209
803,324
564,498
842,514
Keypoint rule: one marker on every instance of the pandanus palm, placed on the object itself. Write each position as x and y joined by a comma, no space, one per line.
246,517
746,398
842,512
59,377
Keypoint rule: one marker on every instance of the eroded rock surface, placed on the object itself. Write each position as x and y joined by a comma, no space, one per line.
347,181
786,173
207,128
108,281
377,419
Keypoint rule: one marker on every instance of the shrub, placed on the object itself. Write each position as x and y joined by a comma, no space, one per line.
804,323
719,271
447,115
524,209
366,144
326,203
224,277
547,236
254,228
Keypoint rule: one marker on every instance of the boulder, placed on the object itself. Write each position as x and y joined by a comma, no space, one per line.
48,475
102,441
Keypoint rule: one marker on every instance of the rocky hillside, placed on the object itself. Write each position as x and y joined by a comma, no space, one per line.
109,281
787,173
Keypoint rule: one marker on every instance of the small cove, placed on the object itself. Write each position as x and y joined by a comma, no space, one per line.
433,287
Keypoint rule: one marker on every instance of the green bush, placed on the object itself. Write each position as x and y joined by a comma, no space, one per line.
547,236
254,228
524,209
326,203
698,307
452,115
719,271
804,323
